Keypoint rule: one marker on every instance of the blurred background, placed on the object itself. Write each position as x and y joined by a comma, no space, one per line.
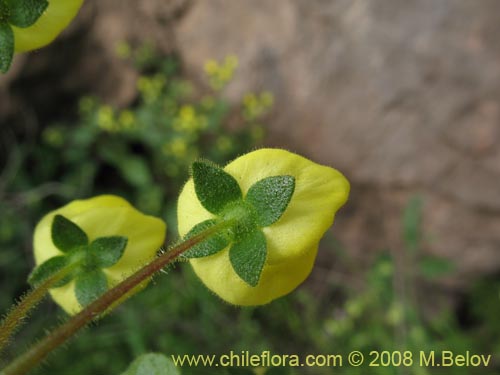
402,97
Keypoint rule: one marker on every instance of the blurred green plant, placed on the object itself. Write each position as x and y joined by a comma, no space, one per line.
167,125
145,151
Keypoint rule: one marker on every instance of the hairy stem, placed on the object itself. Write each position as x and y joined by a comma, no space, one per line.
37,353
17,315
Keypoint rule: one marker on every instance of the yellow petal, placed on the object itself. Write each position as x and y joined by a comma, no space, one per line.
101,216
56,18
291,242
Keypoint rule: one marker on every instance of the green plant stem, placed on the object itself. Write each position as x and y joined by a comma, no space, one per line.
19,311
109,300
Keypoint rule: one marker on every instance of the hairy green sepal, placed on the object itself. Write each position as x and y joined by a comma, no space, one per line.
214,187
86,260
24,13
19,13
6,46
211,245
264,204
89,286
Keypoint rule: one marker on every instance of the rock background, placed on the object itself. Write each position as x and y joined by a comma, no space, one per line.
403,97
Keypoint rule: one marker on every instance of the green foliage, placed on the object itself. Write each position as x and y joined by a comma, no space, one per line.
248,255
24,13
47,269
107,251
6,45
270,197
263,205
152,364
66,235
20,13
85,260
211,245
214,187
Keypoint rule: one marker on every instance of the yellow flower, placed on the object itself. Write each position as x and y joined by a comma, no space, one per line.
292,241
56,17
102,216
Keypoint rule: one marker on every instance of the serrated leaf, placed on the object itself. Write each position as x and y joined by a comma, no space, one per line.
152,364
248,256
107,251
89,286
6,46
66,235
270,198
214,187
210,246
47,269
24,13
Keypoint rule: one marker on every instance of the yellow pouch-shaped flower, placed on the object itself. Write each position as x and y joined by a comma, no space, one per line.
291,241
104,216
55,19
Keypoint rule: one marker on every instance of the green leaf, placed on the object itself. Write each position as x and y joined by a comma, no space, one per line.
89,286
6,46
214,187
107,251
412,219
24,13
48,269
248,256
152,364
210,246
136,171
66,235
270,197
432,267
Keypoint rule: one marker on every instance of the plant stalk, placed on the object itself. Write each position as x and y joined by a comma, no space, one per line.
17,315
38,352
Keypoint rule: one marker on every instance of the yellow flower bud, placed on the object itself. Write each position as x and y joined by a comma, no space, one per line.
292,241
102,216
56,18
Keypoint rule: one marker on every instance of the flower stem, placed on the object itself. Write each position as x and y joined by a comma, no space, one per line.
109,300
16,316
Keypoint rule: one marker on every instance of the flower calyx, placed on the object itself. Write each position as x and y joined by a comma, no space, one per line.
264,204
84,259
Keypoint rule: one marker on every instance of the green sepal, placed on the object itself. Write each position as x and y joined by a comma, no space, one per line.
270,198
24,13
6,46
248,256
66,235
214,187
105,252
89,286
48,269
213,244
152,364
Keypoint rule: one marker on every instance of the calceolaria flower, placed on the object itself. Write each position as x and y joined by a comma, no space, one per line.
101,240
276,205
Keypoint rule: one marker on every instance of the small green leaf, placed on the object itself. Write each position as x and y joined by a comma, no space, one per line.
270,197
6,46
214,187
152,364
48,269
24,13
248,256
107,251
66,235
210,246
432,267
89,286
